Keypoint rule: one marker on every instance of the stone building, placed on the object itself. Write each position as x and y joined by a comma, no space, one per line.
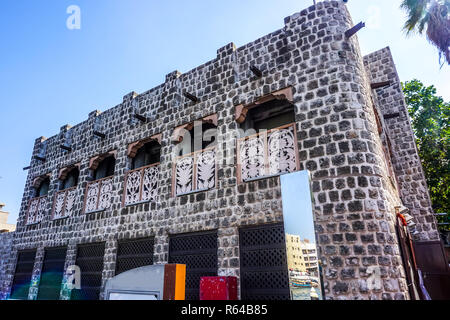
6,241
301,254
130,187
4,225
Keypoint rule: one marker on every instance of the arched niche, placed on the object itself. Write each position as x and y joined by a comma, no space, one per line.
196,136
69,176
103,165
41,185
145,153
268,112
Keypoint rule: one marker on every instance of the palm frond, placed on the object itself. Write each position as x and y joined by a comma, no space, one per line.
422,23
438,30
416,12
432,17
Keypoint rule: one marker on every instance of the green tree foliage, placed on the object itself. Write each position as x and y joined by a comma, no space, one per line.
430,116
433,18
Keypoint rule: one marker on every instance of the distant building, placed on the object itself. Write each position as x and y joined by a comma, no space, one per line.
294,257
4,226
309,254
301,254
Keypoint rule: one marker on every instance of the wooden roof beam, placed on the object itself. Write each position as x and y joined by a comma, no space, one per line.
377,85
141,117
351,32
190,97
256,71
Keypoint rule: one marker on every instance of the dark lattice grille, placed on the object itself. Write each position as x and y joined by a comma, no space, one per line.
199,252
133,254
52,274
90,261
264,273
23,274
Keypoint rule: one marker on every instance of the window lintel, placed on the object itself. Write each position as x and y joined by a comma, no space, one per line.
242,110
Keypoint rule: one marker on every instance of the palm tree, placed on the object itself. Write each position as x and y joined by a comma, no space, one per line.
433,17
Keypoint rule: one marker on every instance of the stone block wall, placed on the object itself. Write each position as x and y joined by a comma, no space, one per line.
6,242
407,165
338,143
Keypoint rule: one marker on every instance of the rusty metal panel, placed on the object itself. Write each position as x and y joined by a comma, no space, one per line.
264,272
430,257
431,260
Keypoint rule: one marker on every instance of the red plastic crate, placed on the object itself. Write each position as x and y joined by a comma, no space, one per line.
218,288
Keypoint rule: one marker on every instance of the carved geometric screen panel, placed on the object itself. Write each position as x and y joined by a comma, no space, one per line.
141,185
264,272
269,153
64,203
98,195
195,172
199,252
36,210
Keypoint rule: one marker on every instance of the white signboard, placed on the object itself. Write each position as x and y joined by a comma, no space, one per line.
132,296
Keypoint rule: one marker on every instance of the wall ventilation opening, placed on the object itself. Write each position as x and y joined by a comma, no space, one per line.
264,272
52,274
199,252
132,254
90,260
23,274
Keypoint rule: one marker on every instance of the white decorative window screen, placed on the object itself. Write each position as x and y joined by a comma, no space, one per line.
141,185
268,153
36,210
64,203
195,172
98,195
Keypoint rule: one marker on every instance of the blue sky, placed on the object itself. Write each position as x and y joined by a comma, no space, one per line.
51,76
297,205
